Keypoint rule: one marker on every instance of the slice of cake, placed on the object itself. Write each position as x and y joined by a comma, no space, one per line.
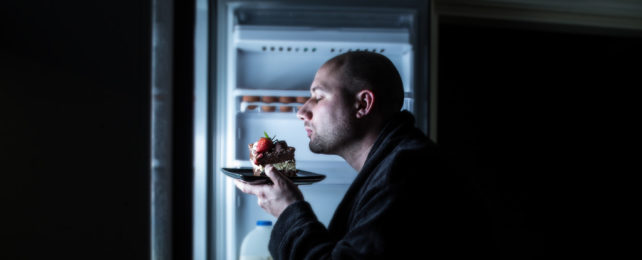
271,151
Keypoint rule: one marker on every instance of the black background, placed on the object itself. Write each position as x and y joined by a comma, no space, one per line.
518,108
74,135
536,115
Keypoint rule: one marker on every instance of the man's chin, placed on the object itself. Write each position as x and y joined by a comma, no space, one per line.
315,148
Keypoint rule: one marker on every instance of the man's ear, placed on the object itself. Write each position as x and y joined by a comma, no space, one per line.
364,103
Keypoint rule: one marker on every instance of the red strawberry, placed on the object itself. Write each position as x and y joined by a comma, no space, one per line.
263,145
256,159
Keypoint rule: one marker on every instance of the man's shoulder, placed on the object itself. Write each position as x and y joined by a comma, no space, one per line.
409,158
413,144
401,150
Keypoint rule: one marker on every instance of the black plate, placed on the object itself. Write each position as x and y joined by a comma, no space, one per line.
246,174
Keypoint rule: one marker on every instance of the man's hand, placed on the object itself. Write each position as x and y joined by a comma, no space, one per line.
275,197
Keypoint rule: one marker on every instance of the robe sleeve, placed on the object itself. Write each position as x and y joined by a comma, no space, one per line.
299,235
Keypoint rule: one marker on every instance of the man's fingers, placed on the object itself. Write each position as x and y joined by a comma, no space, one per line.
241,185
273,174
247,188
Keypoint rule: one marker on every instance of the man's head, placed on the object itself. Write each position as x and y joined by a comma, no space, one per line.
352,95
364,70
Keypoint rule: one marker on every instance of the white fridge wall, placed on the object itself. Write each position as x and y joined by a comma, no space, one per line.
287,57
260,70
292,70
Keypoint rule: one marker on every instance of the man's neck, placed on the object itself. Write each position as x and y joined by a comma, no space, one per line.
357,153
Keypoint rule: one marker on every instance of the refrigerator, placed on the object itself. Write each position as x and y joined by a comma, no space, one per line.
273,49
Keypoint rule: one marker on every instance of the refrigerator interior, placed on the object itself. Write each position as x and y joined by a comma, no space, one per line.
275,51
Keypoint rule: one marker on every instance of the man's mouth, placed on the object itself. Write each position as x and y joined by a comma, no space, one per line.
309,131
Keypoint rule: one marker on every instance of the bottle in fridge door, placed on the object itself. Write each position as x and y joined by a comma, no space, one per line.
255,243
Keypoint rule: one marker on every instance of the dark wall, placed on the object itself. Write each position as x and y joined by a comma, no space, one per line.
74,129
529,111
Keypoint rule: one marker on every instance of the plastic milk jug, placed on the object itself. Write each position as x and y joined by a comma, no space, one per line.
255,244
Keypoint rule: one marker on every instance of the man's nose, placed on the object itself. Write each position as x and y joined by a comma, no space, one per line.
304,113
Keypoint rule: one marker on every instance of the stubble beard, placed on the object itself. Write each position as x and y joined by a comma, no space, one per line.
332,142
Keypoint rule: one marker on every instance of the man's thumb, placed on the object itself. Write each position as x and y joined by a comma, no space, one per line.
272,173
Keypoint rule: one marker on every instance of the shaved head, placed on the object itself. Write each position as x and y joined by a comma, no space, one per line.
372,71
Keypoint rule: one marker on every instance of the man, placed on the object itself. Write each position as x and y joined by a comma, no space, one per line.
402,204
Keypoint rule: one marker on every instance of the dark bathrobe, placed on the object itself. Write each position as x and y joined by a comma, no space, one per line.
404,204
